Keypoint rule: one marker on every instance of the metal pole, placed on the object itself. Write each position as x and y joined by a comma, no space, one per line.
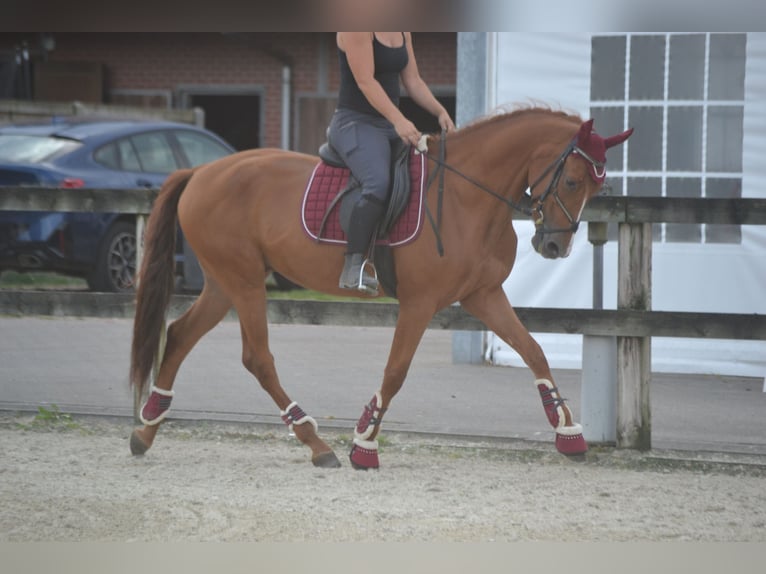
598,393
471,102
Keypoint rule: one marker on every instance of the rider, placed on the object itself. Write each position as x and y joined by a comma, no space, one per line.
365,123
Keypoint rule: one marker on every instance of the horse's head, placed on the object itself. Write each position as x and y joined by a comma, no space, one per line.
575,176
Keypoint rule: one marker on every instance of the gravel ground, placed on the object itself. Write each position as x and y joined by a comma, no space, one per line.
73,479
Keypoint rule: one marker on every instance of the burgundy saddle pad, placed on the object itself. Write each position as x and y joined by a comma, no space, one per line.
327,181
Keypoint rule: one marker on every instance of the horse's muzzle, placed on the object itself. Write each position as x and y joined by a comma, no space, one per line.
547,245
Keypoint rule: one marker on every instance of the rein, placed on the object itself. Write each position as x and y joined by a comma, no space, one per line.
557,167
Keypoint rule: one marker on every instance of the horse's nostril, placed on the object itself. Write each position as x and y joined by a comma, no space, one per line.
552,248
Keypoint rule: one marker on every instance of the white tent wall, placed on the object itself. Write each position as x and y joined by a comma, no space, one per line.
555,70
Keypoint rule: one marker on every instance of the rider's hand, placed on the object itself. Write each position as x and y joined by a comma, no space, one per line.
446,123
407,131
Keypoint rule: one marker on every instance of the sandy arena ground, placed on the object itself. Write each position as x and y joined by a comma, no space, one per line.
74,479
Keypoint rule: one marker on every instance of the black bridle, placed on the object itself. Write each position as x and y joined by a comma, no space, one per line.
553,190
535,210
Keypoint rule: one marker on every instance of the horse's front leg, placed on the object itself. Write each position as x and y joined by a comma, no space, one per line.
494,310
410,326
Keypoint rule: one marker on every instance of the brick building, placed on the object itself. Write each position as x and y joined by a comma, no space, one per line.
257,89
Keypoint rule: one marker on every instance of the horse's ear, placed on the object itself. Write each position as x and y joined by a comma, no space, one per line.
585,129
612,141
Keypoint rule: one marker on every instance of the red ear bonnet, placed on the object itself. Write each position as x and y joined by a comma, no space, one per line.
594,147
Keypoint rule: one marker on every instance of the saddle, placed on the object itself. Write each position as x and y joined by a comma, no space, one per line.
398,196
332,191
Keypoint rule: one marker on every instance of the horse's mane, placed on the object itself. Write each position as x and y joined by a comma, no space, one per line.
513,112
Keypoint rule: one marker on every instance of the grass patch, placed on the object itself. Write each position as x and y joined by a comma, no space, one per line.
309,295
52,419
39,280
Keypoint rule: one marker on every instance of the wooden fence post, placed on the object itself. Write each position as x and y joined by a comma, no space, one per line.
634,359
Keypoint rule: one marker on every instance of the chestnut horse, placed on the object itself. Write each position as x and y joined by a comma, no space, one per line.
240,214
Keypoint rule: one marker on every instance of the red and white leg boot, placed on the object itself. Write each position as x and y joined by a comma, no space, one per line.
294,415
321,454
156,407
569,439
364,453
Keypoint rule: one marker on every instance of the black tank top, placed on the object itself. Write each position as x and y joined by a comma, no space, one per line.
389,62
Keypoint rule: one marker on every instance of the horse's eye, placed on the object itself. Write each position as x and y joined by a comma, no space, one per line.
571,184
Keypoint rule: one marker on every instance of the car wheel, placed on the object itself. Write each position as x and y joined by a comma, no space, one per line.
115,269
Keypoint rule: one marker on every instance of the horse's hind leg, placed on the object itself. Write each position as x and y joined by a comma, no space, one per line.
204,314
494,310
257,359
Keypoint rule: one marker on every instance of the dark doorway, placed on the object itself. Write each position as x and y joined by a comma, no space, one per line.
234,117
422,119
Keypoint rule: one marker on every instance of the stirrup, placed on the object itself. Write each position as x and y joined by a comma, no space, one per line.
363,283
368,284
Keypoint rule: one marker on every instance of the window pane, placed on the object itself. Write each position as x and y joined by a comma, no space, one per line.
727,67
607,71
645,148
200,149
684,232
687,67
724,138
609,121
107,156
683,187
647,67
647,187
725,188
128,157
613,186
155,153
685,139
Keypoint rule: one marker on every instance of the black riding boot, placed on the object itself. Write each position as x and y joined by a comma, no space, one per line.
364,217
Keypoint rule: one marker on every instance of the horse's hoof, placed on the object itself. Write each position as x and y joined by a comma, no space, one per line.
569,441
137,446
364,455
326,460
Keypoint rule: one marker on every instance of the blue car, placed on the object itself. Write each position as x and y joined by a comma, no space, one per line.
125,154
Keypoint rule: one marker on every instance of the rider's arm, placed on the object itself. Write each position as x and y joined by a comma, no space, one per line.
359,53
419,91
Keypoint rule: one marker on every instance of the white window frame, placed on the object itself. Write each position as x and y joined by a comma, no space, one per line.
666,104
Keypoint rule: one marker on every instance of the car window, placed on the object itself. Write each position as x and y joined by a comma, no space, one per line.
119,155
108,156
33,149
154,153
200,148
128,157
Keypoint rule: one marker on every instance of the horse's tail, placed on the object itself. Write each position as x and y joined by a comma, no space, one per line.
156,278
